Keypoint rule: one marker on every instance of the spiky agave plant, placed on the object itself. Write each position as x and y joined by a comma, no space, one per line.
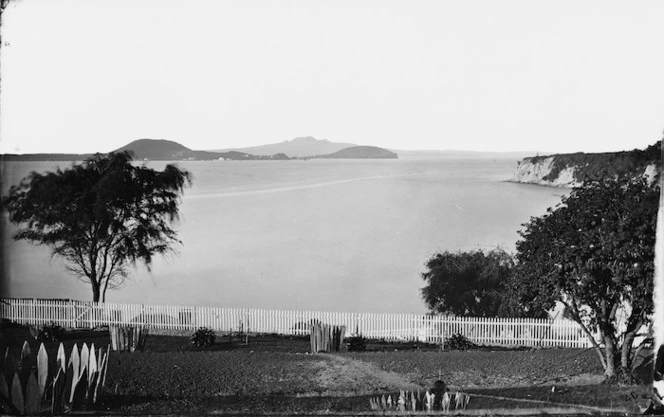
74,387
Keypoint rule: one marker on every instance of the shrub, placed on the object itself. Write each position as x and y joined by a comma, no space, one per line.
459,342
50,333
203,337
357,343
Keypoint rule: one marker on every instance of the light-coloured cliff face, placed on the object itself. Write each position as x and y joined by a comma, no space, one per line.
650,173
534,173
570,170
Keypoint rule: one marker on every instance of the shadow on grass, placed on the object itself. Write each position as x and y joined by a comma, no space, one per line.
273,403
601,396
261,343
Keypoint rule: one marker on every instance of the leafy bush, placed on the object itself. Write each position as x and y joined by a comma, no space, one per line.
357,343
203,337
473,283
459,342
50,333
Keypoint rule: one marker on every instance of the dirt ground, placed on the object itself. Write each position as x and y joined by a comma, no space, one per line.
277,374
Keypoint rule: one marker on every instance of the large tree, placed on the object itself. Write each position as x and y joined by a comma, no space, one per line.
470,284
594,254
101,216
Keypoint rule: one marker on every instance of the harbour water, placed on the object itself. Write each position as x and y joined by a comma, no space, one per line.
334,235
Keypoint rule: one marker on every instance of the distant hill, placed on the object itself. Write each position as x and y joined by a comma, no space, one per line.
150,150
156,149
570,170
361,152
295,148
168,150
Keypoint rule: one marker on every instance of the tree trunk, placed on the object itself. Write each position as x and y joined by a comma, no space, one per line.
610,354
95,291
626,354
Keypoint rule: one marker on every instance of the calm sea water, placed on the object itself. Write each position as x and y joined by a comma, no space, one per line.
336,235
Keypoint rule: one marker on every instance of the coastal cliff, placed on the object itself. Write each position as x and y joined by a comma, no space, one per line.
570,170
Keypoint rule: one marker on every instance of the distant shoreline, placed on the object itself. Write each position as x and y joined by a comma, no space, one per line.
539,184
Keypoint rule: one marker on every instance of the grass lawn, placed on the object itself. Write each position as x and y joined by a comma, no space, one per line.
276,374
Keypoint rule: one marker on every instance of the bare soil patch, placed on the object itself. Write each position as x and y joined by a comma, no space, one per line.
276,374
491,368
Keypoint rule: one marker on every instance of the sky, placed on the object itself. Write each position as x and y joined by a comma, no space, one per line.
555,76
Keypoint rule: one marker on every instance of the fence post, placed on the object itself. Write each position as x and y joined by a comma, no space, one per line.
93,311
529,332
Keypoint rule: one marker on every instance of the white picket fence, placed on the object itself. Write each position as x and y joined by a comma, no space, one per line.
395,327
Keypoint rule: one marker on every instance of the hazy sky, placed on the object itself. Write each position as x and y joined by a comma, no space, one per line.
561,76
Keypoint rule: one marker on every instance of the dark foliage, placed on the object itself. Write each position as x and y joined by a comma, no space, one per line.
471,284
594,253
50,333
203,337
459,342
100,216
356,343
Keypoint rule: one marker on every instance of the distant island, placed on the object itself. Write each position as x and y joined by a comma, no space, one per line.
300,147
168,150
362,152
307,147
570,170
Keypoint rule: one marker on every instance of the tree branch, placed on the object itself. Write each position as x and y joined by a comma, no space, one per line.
614,310
576,315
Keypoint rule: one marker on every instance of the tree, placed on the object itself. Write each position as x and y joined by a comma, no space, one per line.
594,254
101,216
469,284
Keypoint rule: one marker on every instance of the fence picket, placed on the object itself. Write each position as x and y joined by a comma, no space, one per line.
391,326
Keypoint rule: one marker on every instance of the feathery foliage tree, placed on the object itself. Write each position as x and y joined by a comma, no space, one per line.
101,216
594,253
471,284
